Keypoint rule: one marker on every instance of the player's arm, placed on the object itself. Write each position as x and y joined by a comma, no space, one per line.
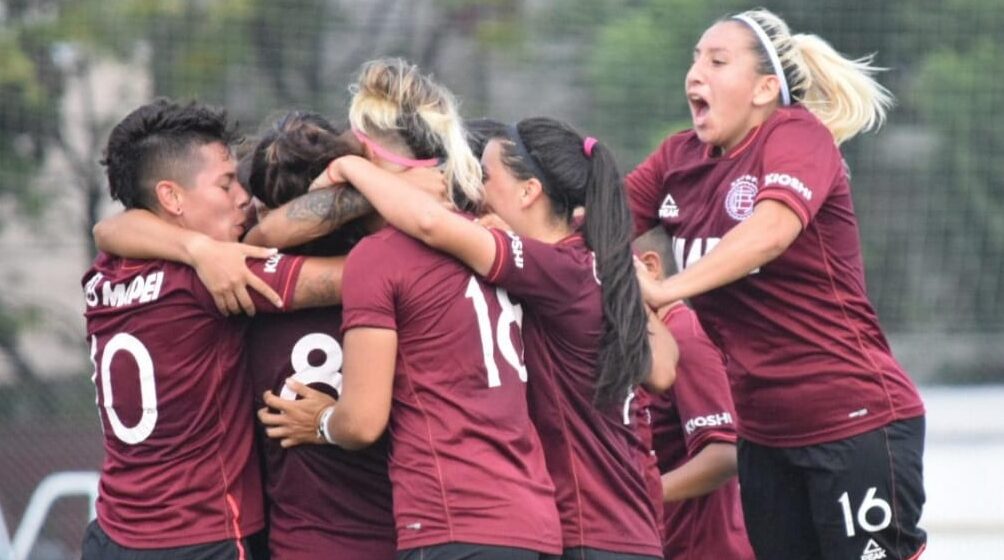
417,213
221,266
713,466
665,354
359,416
319,282
308,217
761,238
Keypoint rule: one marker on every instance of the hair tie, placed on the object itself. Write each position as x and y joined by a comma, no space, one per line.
587,146
771,53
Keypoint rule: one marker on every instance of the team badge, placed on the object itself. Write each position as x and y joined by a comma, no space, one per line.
741,198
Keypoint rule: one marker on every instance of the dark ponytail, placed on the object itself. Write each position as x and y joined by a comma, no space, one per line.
572,178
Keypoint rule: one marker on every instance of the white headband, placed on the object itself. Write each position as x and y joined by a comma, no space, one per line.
771,52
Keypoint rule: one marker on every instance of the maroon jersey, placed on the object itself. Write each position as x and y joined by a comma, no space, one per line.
695,411
592,454
466,464
323,501
640,407
175,404
807,358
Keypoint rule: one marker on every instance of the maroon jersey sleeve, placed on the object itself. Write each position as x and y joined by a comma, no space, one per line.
541,273
703,398
279,271
800,162
645,189
368,289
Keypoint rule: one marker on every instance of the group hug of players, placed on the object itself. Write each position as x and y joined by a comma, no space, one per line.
474,346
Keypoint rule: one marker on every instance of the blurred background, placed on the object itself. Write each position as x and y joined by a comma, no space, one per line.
928,187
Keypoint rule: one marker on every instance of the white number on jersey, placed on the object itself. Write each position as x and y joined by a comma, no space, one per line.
328,372
869,503
502,336
124,342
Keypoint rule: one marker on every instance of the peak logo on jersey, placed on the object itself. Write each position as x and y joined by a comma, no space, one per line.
709,421
142,289
517,249
669,209
873,551
785,180
272,264
741,198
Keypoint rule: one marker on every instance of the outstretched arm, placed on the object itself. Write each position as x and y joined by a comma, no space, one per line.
417,213
308,217
761,238
140,234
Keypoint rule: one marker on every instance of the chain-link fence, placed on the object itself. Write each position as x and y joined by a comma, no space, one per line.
927,186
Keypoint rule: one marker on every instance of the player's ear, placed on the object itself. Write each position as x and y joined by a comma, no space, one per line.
170,197
529,192
653,264
766,90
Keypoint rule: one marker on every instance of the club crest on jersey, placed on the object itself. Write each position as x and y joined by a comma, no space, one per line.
741,198
669,209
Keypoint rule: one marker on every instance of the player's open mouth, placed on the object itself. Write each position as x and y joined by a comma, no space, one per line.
698,107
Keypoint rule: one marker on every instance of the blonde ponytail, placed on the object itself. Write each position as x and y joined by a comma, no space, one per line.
841,92
391,97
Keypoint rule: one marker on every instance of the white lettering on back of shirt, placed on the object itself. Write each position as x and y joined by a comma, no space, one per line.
142,289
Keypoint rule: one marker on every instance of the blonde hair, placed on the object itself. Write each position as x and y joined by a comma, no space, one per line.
840,91
391,96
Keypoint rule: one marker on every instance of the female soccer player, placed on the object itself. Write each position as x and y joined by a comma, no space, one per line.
433,354
757,201
323,500
585,325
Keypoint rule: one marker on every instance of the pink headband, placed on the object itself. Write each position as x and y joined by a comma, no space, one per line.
392,157
587,146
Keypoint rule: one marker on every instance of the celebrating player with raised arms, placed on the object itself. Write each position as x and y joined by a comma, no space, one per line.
757,201
180,477
434,355
585,325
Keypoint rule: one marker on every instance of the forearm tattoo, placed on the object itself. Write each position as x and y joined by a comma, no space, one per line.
337,206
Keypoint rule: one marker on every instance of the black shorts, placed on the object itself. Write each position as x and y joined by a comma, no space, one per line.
99,546
466,551
586,553
858,498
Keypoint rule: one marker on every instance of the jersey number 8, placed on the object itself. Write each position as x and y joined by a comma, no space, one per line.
328,372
